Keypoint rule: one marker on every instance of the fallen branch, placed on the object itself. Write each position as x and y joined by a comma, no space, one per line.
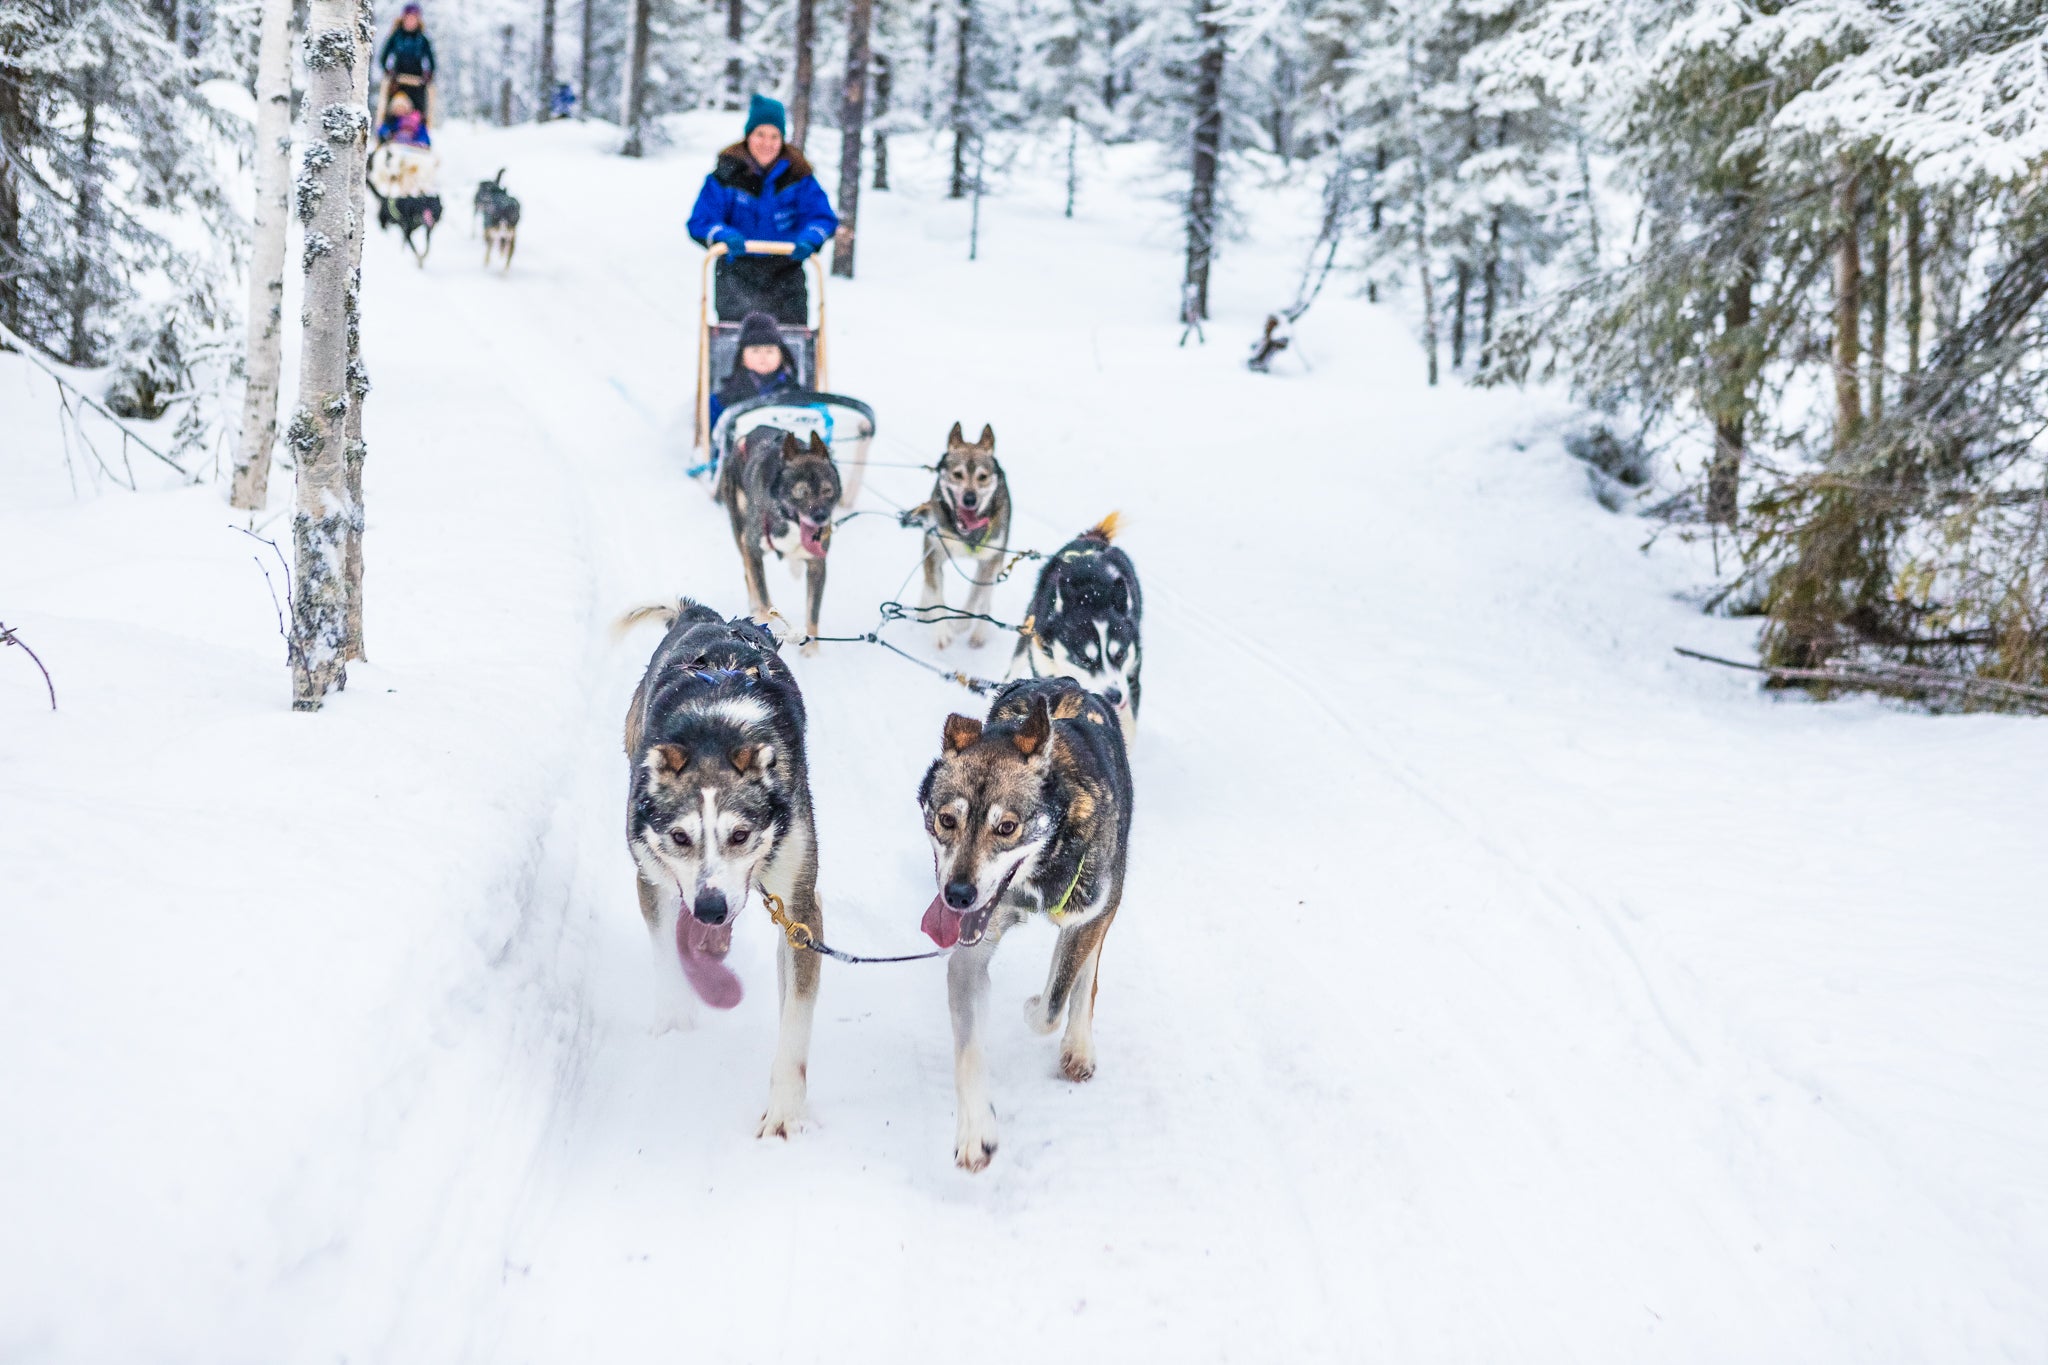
66,390
1902,679
8,637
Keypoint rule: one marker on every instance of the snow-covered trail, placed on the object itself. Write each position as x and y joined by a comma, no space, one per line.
1489,987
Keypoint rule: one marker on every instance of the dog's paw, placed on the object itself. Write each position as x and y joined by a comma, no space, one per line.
942,635
979,635
1077,1063
809,649
784,1119
1036,1017
976,1142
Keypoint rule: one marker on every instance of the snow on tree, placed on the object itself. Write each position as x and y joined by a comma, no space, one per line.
272,158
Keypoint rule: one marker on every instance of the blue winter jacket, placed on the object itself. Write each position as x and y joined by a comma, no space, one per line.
785,205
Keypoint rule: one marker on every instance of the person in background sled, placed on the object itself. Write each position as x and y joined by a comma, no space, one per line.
407,61
763,190
762,366
563,105
404,126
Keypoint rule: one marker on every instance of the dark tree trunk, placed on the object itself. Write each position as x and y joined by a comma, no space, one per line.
1073,157
505,83
963,69
1461,294
1880,289
735,34
1731,405
13,133
1916,265
583,62
636,80
1201,213
85,218
1848,347
852,119
1489,296
547,60
800,95
931,55
884,74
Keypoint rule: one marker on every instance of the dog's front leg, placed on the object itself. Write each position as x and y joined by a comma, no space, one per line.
1070,987
675,1006
796,980
980,595
935,588
814,600
757,579
967,993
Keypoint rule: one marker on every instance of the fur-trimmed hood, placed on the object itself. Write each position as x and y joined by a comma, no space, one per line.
736,168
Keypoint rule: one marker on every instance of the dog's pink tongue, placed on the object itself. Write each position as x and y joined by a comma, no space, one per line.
942,923
702,948
813,536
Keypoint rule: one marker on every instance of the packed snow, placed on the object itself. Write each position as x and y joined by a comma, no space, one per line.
1491,985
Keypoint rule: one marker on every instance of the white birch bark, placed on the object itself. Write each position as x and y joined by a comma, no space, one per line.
250,486
358,375
328,195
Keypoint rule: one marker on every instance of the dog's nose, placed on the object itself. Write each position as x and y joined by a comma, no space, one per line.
960,895
967,501
1113,695
710,907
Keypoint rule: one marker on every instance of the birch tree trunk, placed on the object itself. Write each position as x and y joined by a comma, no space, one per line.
800,92
355,449
1201,215
85,218
852,119
636,79
250,487
329,197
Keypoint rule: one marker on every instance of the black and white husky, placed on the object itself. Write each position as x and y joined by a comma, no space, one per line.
717,803
1084,621
967,521
1029,813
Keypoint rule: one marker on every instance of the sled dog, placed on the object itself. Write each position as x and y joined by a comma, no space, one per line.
498,211
1028,813
780,494
966,520
1083,622
718,802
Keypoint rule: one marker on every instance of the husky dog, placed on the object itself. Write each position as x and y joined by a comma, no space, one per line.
1084,622
719,800
499,213
780,494
967,518
1029,812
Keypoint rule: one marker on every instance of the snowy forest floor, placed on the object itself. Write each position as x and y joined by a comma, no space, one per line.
1491,985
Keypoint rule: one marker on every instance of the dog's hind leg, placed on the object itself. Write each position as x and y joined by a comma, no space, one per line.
974,1140
1070,988
796,980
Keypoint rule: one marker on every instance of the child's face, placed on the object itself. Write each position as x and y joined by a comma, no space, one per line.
762,359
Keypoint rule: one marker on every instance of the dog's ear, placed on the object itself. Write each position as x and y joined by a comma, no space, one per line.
988,438
1032,735
759,757
819,448
667,760
791,447
954,437
960,732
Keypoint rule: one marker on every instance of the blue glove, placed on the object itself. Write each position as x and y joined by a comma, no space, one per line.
735,243
800,249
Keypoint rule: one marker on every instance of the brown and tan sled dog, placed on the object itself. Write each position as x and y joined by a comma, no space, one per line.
781,493
1029,813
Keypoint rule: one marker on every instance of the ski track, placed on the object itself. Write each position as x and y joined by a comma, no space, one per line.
1424,1035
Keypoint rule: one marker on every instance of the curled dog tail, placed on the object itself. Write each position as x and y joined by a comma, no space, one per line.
1106,529
668,613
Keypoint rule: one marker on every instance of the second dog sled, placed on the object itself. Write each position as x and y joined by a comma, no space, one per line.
846,424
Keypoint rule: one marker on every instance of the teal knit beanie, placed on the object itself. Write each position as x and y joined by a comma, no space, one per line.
764,110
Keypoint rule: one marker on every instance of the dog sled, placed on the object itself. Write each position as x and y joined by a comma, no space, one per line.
407,182
845,424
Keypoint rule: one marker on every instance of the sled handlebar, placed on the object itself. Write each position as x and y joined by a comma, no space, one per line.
757,249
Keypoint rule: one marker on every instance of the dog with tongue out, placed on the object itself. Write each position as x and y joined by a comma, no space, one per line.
1029,812
718,803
